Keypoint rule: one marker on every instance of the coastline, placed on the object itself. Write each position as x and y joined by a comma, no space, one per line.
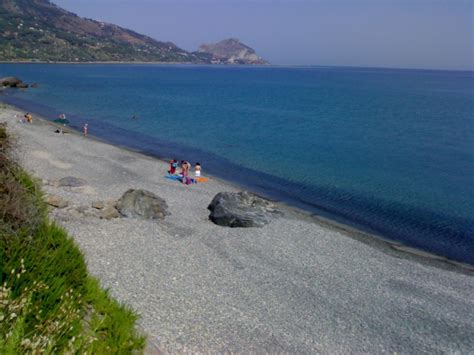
367,202
299,251
370,238
269,65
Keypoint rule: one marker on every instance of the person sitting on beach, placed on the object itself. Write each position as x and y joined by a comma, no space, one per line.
173,166
197,170
185,166
29,117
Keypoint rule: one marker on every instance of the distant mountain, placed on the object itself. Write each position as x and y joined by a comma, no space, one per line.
40,30
231,51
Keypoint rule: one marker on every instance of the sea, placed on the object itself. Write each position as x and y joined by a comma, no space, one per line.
386,151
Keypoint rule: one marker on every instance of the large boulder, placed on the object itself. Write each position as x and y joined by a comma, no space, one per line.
143,204
241,209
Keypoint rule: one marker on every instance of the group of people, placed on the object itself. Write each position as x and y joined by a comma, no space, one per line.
62,119
184,174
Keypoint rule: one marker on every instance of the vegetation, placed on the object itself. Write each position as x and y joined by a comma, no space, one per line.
48,302
39,30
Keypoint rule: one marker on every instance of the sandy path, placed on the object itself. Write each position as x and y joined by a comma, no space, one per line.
293,286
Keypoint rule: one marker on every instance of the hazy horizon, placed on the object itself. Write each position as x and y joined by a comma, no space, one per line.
425,34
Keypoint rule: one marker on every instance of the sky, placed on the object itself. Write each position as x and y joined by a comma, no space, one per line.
432,34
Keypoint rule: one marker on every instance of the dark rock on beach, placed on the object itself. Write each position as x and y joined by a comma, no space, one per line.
71,181
143,204
241,209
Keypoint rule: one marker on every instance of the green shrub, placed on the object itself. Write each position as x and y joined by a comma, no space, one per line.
48,302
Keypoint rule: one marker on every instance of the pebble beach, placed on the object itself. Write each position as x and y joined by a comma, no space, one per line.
300,284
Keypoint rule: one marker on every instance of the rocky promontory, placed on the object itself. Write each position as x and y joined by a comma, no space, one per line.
231,51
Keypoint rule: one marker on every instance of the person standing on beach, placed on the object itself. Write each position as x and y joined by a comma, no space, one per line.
86,130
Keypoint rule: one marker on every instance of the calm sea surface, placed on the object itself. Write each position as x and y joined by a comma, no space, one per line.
388,151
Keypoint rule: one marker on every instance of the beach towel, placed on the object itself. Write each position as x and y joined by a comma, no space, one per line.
173,177
61,120
180,179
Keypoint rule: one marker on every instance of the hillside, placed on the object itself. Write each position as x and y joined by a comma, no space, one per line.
40,30
231,51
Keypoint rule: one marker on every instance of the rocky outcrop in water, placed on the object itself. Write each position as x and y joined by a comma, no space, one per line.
12,82
241,209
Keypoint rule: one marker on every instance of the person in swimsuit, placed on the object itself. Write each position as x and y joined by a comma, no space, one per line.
86,130
186,179
29,117
197,170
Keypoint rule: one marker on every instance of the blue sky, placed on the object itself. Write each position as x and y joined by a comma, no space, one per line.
437,34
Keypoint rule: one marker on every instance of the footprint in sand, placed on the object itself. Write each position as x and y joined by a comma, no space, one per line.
40,154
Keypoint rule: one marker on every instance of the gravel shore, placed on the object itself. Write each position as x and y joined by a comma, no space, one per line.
297,285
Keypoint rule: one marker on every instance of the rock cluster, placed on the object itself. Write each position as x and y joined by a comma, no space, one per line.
107,209
241,209
133,203
231,209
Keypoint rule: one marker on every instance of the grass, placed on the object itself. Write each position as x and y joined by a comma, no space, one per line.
48,302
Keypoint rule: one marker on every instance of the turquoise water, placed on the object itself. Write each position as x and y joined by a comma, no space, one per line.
389,151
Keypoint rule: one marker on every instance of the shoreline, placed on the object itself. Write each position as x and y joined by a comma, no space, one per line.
370,238
432,227
246,65
297,285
